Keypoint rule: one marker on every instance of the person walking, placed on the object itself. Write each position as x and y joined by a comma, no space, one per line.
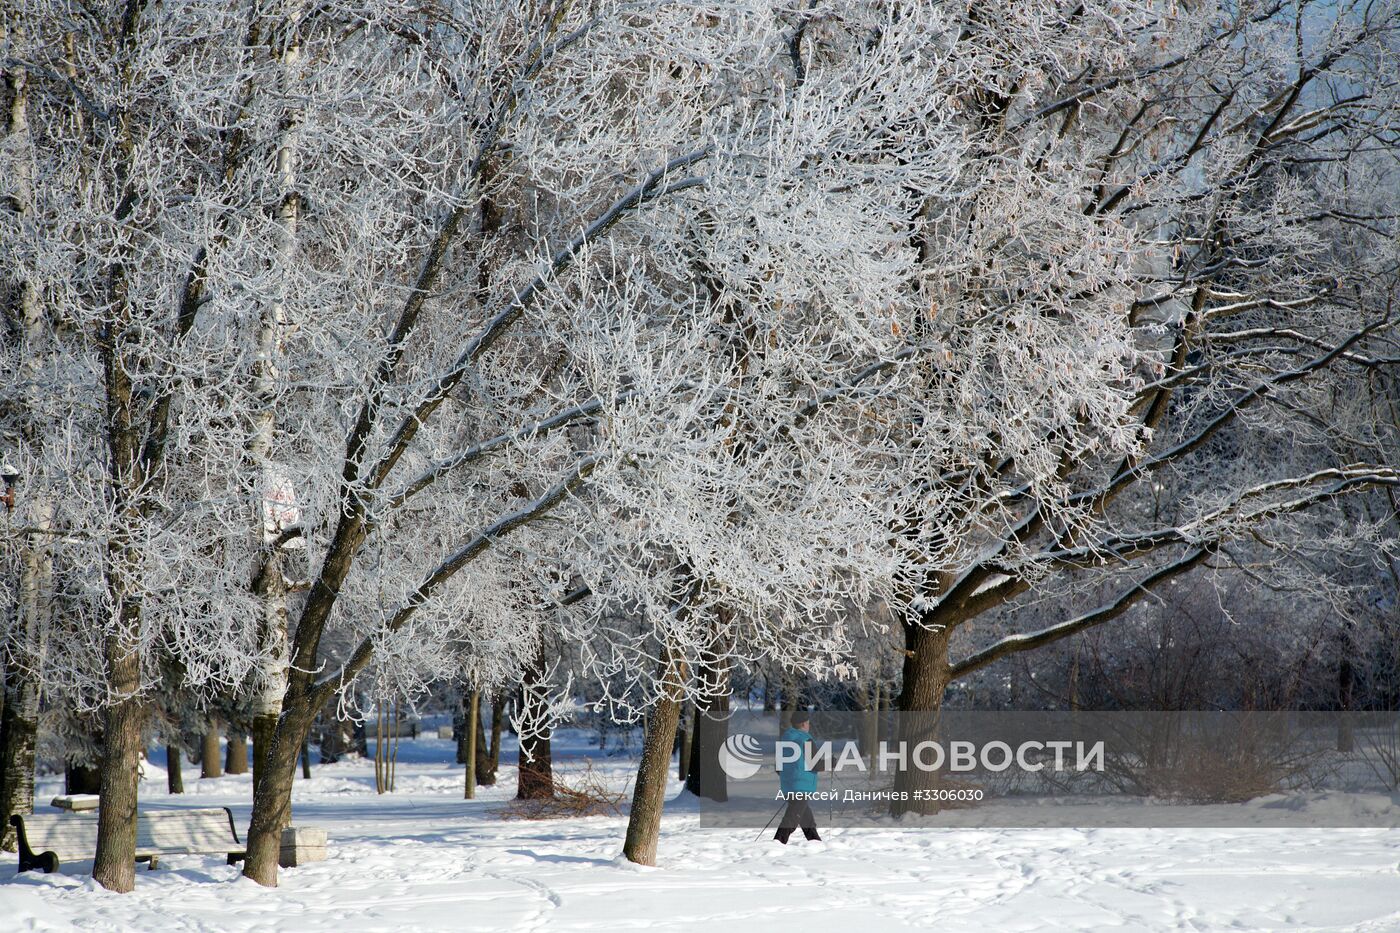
798,781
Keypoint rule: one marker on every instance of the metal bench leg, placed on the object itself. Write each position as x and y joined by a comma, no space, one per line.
46,862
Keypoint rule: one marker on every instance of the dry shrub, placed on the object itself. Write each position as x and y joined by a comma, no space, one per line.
586,795
1230,760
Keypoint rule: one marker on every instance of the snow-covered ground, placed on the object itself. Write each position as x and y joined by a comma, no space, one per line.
424,859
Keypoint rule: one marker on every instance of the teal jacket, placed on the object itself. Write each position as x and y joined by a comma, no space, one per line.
797,777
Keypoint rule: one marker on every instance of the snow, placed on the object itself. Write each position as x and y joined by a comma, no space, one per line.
424,859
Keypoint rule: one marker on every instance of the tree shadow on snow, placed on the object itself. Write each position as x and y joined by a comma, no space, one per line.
562,859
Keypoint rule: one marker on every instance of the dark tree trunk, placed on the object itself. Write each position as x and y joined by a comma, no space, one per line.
485,769
536,772
306,759
535,776
1346,685
236,761
649,793
687,718
498,715
870,720
359,739
210,765
459,728
82,779
331,746
704,778
926,676
272,800
787,703
174,773
334,744
19,726
263,727
114,865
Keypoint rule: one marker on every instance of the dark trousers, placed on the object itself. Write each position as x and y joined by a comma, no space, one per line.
798,813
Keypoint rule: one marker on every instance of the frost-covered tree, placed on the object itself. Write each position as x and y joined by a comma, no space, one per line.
446,275
141,238
522,319
1170,278
26,596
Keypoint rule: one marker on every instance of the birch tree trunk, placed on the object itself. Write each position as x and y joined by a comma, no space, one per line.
24,661
24,654
271,583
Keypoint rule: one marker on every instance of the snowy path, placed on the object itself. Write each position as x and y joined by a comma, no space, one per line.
423,859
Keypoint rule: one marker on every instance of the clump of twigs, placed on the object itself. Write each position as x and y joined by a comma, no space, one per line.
586,795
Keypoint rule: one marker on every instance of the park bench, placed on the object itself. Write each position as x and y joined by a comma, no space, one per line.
47,841
76,802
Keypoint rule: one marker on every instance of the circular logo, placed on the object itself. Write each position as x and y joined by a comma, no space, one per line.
741,756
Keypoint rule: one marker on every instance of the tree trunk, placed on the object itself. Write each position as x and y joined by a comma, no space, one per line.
498,716
270,584
24,653
174,775
305,759
687,718
24,661
1346,685
535,775
359,736
114,865
870,720
472,727
787,703
82,779
267,702
19,726
459,729
379,748
704,777
332,743
649,793
209,763
536,771
272,794
926,676
485,772
236,761
394,758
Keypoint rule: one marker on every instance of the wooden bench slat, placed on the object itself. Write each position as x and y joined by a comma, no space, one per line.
48,840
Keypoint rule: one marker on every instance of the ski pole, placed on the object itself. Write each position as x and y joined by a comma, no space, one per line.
770,821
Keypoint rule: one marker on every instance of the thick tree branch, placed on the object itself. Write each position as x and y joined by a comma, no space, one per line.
449,567
1105,613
